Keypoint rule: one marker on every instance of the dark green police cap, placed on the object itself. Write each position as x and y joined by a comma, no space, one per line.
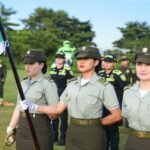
124,58
34,56
110,58
143,56
60,55
88,52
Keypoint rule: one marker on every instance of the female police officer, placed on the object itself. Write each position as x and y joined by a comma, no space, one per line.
39,91
136,105
60,73
84,98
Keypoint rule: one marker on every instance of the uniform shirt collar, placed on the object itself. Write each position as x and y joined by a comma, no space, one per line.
38,79
92,81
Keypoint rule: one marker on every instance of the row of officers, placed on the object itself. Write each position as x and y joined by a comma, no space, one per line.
94,101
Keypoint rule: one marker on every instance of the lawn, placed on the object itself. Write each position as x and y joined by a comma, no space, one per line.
10,92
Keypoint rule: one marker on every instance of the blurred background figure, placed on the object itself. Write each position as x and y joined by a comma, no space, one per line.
118,80
3,72
60,73
127,70
69,52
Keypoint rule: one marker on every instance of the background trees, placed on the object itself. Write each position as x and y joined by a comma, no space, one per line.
50,28
135,35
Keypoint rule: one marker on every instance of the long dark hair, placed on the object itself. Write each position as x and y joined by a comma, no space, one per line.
98,67
44,69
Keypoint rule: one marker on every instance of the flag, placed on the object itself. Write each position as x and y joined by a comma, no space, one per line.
2,44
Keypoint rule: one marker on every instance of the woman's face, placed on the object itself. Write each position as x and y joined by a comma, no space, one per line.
59,61
143,71
86,65
33,69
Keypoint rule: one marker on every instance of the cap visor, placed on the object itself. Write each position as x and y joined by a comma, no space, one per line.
109,60
82,55
28,61
143,60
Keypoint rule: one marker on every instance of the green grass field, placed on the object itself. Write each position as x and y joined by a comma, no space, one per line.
10,92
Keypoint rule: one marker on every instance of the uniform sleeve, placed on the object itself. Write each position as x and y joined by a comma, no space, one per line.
65,96
124,111
110,98
51,93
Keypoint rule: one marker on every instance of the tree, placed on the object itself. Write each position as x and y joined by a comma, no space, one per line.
134,36
50,28
6,13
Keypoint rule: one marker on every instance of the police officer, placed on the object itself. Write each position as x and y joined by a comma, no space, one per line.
84,98
118,80
40,91
60,73
136,105
127,70
2,79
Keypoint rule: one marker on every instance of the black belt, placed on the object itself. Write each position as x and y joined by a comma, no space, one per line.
84,121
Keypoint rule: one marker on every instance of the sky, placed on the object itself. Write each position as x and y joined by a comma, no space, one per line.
104,15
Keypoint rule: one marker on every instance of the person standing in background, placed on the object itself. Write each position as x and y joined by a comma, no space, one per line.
118,80
127,70
60,73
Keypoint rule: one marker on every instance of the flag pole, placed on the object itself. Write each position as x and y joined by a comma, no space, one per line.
16,76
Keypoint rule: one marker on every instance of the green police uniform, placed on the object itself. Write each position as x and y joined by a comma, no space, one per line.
85,105
128,71
42,92
60,77
136,109
118,80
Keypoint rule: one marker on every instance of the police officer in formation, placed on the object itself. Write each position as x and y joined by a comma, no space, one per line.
127,70
118,80
136,105
39,91
84,97
3,72
60,73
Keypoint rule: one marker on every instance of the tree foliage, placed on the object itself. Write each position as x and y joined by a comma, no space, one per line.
135,36
50,28
6,13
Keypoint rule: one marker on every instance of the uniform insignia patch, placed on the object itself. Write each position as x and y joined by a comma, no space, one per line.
123,78
144,50
73,79
127,87
103,81
49,78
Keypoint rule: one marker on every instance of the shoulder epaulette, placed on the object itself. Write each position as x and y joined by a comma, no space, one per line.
103,81
118,72
48,78
101,71
67,67
127,87
72,79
